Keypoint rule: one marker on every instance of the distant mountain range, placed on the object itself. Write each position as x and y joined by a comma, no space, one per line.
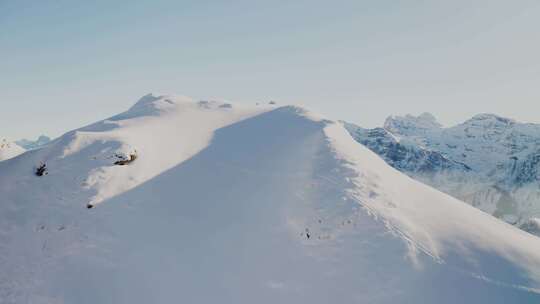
489,161
33,144
10,149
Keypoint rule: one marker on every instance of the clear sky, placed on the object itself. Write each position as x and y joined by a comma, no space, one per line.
64,64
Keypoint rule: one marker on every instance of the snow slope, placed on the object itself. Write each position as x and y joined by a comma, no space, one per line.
228,204
9,150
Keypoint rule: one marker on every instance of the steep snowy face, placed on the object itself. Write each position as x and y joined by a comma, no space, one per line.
9,150
502,157
209,202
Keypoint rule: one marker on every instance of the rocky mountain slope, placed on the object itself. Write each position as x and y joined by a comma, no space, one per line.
489,161
208,202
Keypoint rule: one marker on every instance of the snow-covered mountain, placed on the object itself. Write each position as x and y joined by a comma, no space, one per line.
489,161
403,155
210,202
9,149
33,144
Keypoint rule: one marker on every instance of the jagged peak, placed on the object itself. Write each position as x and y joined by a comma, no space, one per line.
426,116
148,98
410,123
489,117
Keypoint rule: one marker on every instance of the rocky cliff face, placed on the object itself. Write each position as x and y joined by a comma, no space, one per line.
489,161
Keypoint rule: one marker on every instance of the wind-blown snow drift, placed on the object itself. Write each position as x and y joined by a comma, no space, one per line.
240,205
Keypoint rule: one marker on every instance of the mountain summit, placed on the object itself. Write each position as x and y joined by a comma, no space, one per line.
210,202
410,124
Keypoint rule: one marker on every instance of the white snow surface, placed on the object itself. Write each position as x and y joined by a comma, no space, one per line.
230,204
162,130
9,149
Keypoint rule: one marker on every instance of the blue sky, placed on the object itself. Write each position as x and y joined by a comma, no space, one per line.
64,64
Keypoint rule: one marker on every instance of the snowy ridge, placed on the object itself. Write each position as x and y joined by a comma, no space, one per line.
262,204
140,130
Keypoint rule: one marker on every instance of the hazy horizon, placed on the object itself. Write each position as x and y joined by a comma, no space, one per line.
359,123
68,64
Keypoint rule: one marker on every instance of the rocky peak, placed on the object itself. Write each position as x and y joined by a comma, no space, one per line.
491,118
411,125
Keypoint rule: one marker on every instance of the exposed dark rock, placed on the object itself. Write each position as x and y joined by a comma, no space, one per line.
41,170
125,160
